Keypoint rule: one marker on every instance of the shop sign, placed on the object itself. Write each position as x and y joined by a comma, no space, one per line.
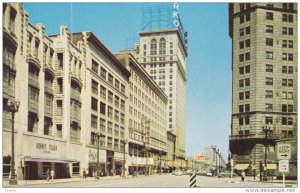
46,147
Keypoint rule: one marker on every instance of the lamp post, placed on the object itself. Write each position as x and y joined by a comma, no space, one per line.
99,135
13,107
125,142
266,129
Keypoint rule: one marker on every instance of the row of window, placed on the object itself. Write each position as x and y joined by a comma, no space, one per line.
285,17
110,78
284,108
284,120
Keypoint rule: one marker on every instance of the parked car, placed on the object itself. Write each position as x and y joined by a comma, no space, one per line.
227,174
209,174
178,173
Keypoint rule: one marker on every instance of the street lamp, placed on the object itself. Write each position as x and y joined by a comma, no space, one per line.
99,135
125,142
266,129
13,107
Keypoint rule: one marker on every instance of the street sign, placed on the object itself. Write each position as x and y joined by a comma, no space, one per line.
284,166
284,151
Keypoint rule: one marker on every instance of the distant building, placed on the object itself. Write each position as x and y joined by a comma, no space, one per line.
211,159
264,81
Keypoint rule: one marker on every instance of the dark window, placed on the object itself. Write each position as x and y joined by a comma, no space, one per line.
242,19
247,56
102,108
241,44
284,43
247,107
284,108
284,17
241,96
290,108
247,82
290,31
247,121
269,81
284,120
247,43
290,69
60,58
94,104
291,18
269,120
269,42
248,17
290,121
241,83
242,6
241,69
269,16
241,121
247,69
95,66
242,32
290,82
241,57
284,69
269,94
269,68
248,31
290,57
284,82
247,95
241,108
269,29
290,45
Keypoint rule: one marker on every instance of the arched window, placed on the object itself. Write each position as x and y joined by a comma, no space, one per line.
153,47
162,46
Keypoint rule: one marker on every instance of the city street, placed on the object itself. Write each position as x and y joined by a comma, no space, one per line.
162,181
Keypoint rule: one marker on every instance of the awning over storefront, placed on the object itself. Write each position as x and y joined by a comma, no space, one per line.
37,159
241,166
271,167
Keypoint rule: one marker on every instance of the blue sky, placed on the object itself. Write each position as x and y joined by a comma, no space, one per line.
208,94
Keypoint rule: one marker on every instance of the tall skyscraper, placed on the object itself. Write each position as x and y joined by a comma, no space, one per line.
264,81
162,52
163,55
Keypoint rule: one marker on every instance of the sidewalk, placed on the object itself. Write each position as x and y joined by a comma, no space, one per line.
288,183
21,183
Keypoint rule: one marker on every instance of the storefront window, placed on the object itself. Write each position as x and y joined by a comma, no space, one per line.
46,166
76,168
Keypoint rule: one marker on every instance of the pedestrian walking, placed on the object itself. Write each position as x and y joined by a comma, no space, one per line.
84,174
48,175
243,175
52,174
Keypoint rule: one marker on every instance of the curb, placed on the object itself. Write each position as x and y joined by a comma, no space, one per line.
23,183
